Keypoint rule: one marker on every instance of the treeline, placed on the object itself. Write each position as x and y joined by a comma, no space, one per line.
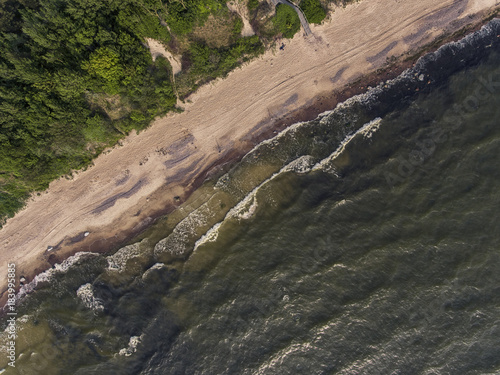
76,75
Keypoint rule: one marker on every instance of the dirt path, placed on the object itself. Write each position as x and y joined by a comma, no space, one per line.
157,49
128,185
241,8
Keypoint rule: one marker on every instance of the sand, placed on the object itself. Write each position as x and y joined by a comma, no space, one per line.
240,7
157,49
155,170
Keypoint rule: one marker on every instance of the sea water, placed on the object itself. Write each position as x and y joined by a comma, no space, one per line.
366,241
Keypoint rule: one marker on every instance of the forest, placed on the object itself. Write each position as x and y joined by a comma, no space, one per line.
76,76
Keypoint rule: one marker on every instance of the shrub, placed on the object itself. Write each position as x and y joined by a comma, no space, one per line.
286,20
252,4
105,64
237,27
313,10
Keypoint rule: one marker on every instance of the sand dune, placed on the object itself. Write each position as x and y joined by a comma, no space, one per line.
129,184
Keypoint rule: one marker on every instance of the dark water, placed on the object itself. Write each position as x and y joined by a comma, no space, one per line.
364,242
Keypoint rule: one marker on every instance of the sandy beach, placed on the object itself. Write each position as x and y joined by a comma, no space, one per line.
153,172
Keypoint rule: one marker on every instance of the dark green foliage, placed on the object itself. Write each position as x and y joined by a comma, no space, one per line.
207,63
183,15
286,20
104,64
237,27
252,4
54,57
12,198
313,10
181,19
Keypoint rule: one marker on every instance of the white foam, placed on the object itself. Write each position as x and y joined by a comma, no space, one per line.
240,211
177,242
211,236
341,203
118,261
86,294
48,275
132,346
367,130
156,266
250,211
300,165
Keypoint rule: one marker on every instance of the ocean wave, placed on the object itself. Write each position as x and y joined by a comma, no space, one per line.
150,270
58,268
118,261
132,346
366,131
90,301
248,205
300,165
178,242
210,236
275,141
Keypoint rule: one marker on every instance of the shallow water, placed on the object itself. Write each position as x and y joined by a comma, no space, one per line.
364,242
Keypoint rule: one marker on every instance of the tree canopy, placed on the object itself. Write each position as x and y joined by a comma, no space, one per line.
313,10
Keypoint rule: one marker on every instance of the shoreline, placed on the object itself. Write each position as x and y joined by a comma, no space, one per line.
187,170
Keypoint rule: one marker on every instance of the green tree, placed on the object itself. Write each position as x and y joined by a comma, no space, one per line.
313,10
104,63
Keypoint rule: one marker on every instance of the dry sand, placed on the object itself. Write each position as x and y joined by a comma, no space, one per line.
157,49
240,7
127,186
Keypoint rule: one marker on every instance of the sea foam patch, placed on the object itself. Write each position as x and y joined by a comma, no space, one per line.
89,300
58,268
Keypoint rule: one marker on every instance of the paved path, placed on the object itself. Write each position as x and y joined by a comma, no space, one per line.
302,17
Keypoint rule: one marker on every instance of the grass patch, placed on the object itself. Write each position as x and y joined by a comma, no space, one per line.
219,30
286,20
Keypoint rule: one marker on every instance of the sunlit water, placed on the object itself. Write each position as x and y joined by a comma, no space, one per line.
364,242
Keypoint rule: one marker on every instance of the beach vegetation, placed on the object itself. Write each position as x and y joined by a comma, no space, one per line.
313,10
203,63
252,5
286,20
221,29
